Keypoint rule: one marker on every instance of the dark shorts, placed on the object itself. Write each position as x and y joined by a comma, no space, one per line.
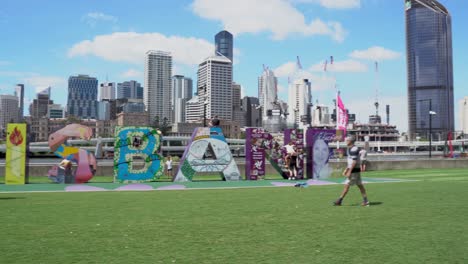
169,169
292,163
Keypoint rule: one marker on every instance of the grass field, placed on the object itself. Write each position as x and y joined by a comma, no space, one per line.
422,221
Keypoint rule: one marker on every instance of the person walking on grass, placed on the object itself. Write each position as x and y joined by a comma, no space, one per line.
169,166
363,158
352,172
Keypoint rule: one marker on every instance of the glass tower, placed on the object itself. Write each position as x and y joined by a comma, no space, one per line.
224,44
429,67
82,97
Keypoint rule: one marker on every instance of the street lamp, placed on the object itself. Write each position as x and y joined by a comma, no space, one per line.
431,113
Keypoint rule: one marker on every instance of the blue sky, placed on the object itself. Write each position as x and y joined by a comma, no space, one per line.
44,42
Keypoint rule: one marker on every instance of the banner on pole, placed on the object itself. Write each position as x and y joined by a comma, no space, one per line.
15,163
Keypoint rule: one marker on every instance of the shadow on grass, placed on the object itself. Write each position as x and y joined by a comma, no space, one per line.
370,204
11,198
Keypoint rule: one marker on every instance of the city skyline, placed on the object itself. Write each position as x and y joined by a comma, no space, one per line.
101,40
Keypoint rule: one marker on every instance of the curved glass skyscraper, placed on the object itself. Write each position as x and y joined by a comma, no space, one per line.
430,69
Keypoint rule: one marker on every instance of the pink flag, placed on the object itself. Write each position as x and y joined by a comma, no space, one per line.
341,115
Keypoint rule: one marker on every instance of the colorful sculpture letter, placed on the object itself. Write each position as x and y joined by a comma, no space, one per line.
85,160
193,161
132,142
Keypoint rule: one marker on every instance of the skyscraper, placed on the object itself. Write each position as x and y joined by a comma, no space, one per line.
19,92
429,67
268,97
39,106
237,114
107,91
182,89
214,87
224,44
130,89
82,96
299,97
8,110
157,90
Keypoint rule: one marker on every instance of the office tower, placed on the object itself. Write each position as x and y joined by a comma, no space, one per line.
193,112
107,91
464,114
272,118
19,92
299,96
237,114
224,44
55,111
9,107
182,89
250,105
214,87
130,89
157,90
39,107
429,67
82,97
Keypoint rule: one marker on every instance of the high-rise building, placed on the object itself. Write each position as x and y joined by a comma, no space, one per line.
237,114
251,107
130,89
182,89
429,67
464,114
272,113
104,110
224,44
55,111
157,90
320,115
107,91
299,97
193,113
19,92
39,107
9,107
82,96
214,87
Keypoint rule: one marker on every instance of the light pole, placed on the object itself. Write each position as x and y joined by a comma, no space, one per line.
431,113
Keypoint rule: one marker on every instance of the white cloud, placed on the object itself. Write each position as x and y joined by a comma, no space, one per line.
279,17
334,4
93,18
40,82
375,53
131,47
132,73
341,66
286,69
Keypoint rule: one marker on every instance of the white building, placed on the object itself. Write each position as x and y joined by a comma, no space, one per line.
464,114
182,89
107,91
192,110
299,96
214,87
9,109
157,89
19,92
272,112
320,115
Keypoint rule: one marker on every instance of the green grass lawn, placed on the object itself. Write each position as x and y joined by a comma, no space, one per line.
422,221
